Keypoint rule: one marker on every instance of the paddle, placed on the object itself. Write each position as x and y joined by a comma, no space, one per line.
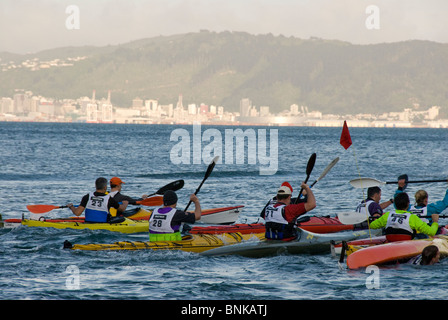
351,217
327,169
151,202
174,186
42,208
207,174
309,168
370,182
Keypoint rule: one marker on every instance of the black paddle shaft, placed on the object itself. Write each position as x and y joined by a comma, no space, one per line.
207,174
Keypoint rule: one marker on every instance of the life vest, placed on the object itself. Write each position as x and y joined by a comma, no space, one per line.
363,207
113,212
277,227
398,227
160,228
422,213
97,208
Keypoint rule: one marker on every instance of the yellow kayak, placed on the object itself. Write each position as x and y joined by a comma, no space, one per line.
191,243
126,226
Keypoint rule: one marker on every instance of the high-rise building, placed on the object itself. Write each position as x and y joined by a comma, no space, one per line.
245,106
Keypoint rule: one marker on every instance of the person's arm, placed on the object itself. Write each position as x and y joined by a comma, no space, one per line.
417,224
197,207
380,222
385,204
77,211
310,204
438,206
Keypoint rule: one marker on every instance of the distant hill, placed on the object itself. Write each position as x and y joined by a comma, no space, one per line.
222,68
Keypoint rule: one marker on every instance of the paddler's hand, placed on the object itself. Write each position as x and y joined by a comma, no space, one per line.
402,182
435,217
304,186
193,198
144,196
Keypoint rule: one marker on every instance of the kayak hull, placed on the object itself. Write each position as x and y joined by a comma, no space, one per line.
394,252
192,243
127,226
307,242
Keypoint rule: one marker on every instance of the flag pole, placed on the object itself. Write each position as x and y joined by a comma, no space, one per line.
346,142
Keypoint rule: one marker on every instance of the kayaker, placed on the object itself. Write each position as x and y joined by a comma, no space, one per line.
429,256
293,200
372,203
165,222
115,191
423,209
97,204
280,217
401,224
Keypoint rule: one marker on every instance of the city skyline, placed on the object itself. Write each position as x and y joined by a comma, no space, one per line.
27,107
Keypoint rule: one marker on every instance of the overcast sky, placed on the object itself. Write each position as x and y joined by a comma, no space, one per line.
35,25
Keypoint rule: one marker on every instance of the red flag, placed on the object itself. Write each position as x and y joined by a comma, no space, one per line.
346,140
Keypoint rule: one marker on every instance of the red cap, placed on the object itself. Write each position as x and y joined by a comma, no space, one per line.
286,184
116,181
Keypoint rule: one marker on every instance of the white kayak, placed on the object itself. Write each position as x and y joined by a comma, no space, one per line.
307,242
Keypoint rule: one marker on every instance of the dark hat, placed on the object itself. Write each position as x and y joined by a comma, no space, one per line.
169,198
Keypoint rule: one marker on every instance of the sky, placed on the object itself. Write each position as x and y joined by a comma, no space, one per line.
29,26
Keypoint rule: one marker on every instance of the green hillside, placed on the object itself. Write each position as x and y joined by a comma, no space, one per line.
222,68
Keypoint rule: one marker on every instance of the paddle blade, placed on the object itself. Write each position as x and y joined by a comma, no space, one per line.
152,201
366,183
173,186
327,169
41,208
351,217
211,166
310,164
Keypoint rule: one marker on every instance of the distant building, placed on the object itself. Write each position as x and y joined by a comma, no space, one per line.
245,106
137,103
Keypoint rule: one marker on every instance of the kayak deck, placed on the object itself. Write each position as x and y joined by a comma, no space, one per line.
191,243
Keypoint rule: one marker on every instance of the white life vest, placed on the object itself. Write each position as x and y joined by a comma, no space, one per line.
421,212
363,207
275,214
97,208
113,193
161,222
399,221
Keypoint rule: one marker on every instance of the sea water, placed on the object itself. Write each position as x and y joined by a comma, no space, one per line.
57,163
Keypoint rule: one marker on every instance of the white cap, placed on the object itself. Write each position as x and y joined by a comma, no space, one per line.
284,190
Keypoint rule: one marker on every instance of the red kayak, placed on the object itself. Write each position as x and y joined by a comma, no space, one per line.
324,225
315,224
